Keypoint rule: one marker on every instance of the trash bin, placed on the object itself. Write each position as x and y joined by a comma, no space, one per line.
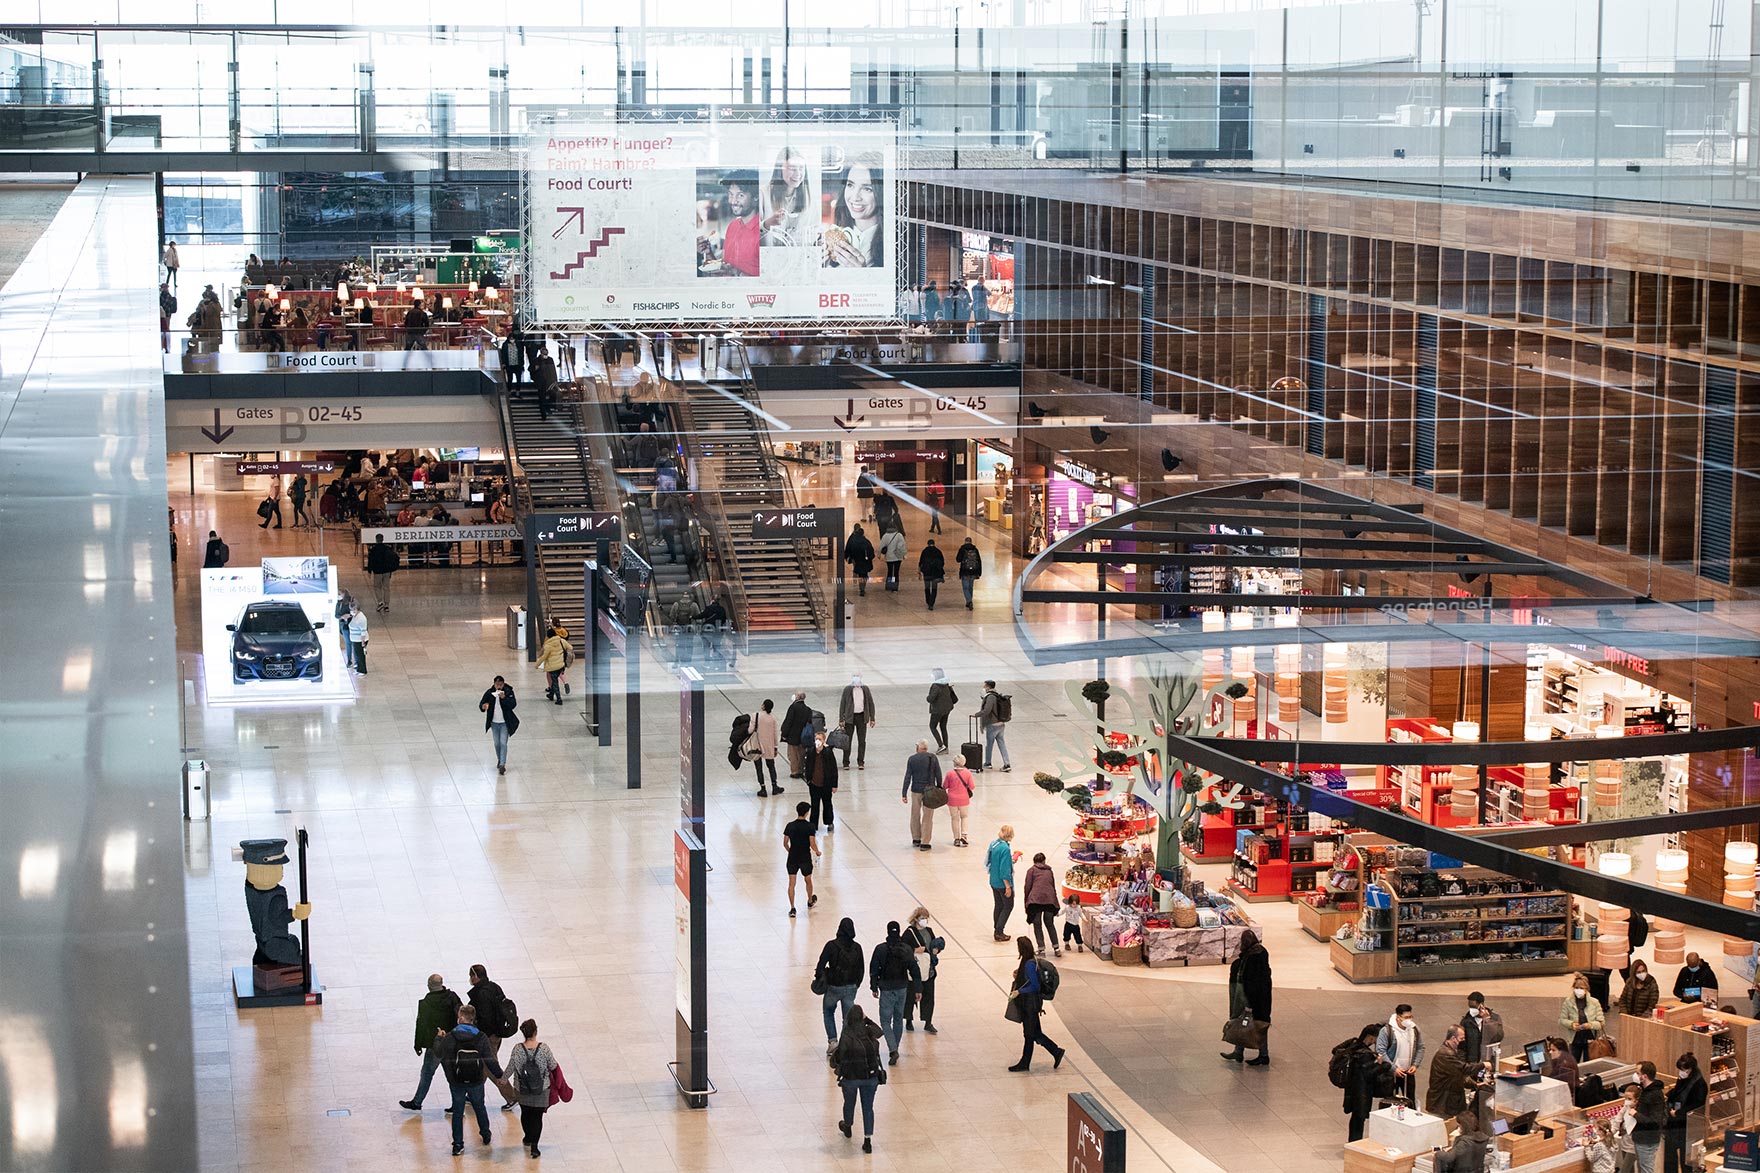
516,628
197,803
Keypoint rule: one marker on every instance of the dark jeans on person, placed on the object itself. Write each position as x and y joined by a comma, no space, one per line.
966,582
820,800
1580,1045
554,691
892,569
276,502
1003,908
1674,1151
758,764
864,1088
1359,1120
472,1094
1030,1030
1072,934
531,1124
1043,918
938,729
360,658
299,511
931,589
430,1064
858,736
925,1003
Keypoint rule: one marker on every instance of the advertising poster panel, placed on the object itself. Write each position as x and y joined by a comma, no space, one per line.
712,221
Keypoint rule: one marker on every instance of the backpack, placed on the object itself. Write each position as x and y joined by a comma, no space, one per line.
749,749
1048,980
818,721
1004,706
225,552
858,1062
1338,1067
969,562
509,1014
264,508
465,1066
736,739
530,1081
897,965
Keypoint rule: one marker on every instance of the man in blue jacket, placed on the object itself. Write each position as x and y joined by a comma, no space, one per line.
1000,860
468,1059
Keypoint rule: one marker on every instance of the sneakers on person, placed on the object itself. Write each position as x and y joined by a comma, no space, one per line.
812,900
458,1150
500,769
410,1104
791,912
892,1059
775,789
1057,1060
843,1127
507,1107
867,1144
1020,1067
929,1029
1006,767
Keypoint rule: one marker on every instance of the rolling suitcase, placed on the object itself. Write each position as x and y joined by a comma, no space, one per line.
973,750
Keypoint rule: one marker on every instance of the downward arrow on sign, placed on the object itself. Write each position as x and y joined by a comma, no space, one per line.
851,419
216,434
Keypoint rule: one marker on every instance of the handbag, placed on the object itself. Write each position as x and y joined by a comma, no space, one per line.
934,797
1244,1031
818,986
265,509
1014,1013
837,739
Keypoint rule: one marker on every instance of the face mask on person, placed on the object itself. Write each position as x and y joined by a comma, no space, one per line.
1405,1023
1582,992
1473,1010
818,743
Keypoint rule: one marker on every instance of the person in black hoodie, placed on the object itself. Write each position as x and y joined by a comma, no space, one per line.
793,722
1652,1116
1252,972
858,551
839,975
214,556
468,1060
971,568
932,565
1362,1077
488,1000
1684,1101
856,1058
436,1015
892,972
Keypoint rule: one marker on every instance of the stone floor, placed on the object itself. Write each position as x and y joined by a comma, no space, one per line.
25,210
557,878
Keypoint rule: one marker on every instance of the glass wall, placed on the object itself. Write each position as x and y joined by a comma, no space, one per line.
1579,98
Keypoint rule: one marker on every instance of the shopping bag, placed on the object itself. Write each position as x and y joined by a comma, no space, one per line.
1243,1032
1014,1013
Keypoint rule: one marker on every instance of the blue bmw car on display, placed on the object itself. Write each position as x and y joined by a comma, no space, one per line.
275,641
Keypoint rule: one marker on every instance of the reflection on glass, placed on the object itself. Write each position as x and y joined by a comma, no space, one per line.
39,866
120,851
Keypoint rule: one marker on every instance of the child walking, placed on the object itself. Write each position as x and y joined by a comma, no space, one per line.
1072,921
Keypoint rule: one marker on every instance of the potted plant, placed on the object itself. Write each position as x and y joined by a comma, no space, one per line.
1243,705
1049,783
1096,691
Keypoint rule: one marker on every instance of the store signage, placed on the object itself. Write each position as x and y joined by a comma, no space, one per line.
1614,658
584,526
681,883
809,521
403,534
1080,473
251,362
901,412
1455,592
251,468
1095,1136
1462,605
268,424
875,454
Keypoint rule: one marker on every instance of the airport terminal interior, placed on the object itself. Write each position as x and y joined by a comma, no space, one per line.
1246,500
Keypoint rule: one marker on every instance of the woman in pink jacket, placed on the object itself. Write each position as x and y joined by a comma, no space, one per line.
960,786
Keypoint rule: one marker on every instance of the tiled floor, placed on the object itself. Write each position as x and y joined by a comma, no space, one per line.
558,879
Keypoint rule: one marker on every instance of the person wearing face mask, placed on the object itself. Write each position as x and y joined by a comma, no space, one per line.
1581,1016
1482,1027
1450,1075
1641,994
919,935
821,773
1652,1115
1695,980
1401,1046
856,713
1684,1102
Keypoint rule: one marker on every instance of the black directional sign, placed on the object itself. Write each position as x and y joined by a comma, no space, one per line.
575,527
807,521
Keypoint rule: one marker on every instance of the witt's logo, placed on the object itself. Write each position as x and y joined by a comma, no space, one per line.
754,300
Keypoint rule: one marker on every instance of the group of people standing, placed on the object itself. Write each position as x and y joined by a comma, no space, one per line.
966,302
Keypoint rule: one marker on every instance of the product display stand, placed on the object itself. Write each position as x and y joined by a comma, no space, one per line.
1103,849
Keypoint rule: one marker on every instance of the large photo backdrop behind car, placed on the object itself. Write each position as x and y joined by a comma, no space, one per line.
713,220
283,609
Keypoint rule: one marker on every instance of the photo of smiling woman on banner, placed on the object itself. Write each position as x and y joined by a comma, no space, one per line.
790,216
855,226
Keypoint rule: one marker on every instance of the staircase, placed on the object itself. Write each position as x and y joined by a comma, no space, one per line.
553,460
775,583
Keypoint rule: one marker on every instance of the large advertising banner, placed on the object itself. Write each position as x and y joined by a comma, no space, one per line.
710,221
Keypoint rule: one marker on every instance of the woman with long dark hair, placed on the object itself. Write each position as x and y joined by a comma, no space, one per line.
788,216
856,1059
856,238
1027,994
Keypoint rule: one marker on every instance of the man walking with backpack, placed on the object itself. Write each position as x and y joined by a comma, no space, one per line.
468,1059
971,568
436,1016
382,563
892,971
837,977
497,1018
994,712
932,565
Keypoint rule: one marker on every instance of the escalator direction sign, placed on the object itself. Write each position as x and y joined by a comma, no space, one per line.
807,521
575,527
